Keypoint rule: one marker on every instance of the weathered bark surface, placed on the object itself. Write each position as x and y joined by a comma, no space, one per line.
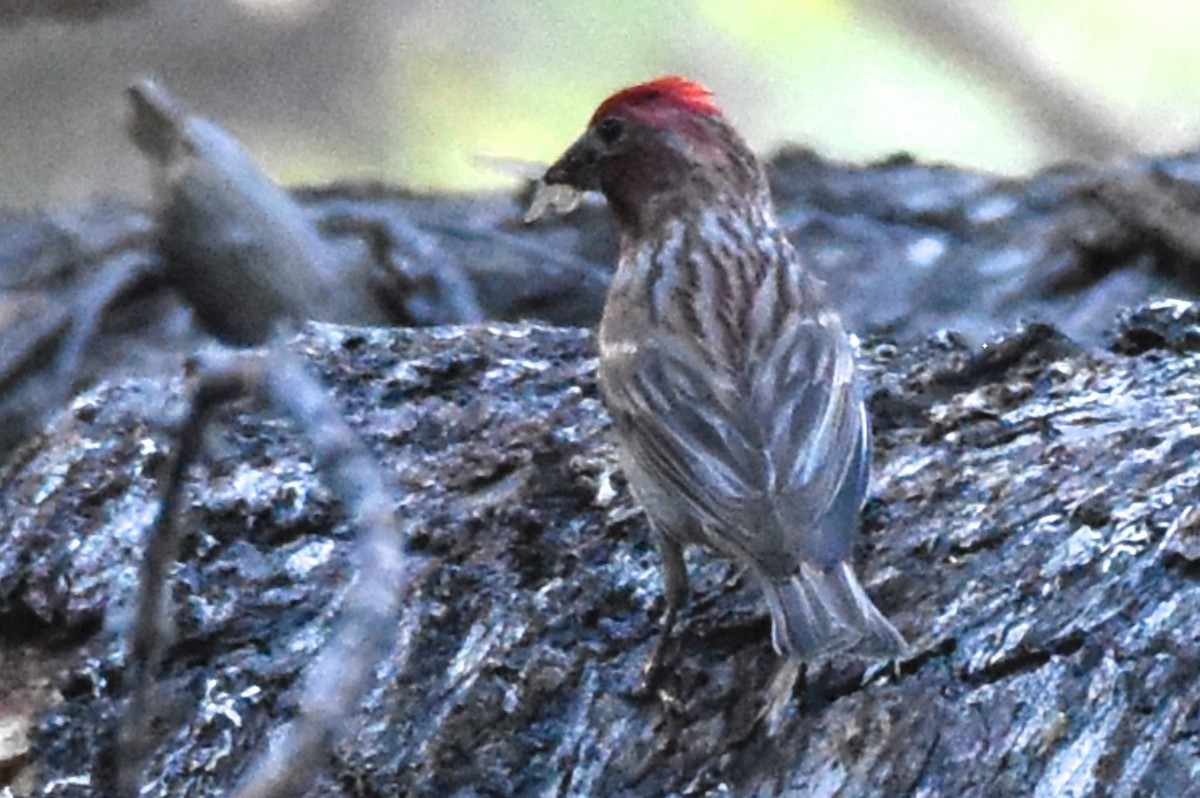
905,248
1032,525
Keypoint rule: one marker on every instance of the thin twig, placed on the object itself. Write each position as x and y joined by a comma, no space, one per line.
152,630
334,685
981,39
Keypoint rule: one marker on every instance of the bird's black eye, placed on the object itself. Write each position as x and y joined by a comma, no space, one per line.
610,129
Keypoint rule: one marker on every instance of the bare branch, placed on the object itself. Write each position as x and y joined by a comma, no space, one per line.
982,40
238,247
219,383
335,683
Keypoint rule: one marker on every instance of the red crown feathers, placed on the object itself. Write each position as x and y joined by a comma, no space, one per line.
671,91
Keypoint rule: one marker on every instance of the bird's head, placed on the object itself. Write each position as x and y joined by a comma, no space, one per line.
654,148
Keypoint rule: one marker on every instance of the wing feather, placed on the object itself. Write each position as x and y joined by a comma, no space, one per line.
773,455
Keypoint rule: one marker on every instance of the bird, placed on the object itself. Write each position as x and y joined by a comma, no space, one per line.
729,378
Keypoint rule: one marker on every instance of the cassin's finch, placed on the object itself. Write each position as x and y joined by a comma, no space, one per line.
730,381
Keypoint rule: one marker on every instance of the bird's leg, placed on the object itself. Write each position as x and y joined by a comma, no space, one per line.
779,695
675,591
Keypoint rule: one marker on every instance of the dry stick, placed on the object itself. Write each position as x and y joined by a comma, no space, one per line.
151,630
235,245
1156,205
39,343
334,685
382,237
59,336
248,261
114,280
984,42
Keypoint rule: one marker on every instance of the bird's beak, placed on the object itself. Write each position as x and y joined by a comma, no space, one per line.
578,167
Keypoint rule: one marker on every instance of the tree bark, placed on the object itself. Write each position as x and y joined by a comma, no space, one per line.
1032,524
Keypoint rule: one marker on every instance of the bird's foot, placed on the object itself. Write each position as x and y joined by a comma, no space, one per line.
779,696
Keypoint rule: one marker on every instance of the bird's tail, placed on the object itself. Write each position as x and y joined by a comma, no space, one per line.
822,611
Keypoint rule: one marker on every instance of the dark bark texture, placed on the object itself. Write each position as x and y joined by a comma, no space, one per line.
1031,360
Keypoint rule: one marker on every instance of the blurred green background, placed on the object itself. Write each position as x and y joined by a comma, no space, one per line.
410,93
